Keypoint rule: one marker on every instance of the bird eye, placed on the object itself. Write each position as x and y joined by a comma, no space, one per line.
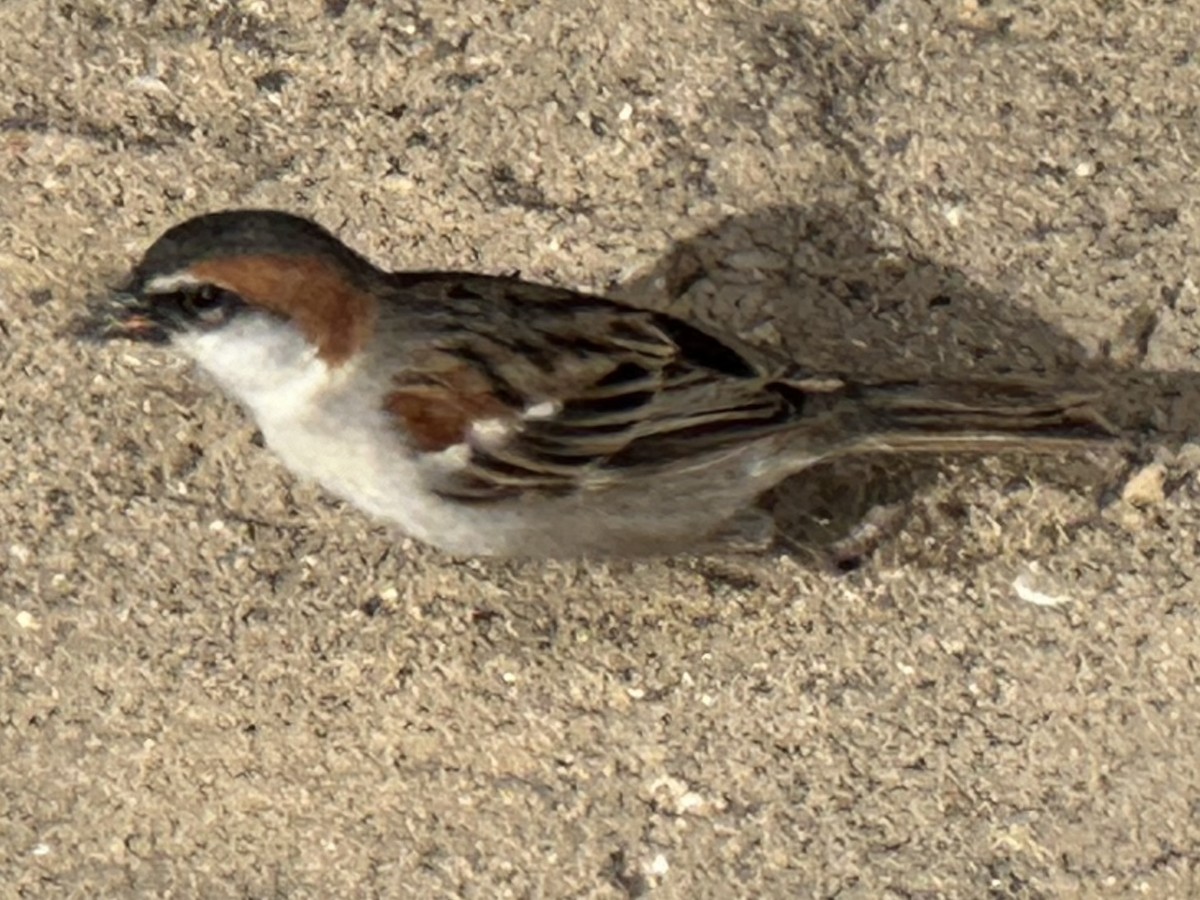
210,304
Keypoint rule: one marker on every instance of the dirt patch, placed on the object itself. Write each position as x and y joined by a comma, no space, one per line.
217,681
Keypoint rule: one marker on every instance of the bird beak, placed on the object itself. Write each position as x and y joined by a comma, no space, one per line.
121,313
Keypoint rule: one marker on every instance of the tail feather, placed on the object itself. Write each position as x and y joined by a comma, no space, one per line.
978,417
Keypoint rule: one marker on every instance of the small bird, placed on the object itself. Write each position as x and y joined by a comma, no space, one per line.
496,417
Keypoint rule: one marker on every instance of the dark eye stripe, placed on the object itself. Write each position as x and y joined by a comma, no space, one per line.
208,305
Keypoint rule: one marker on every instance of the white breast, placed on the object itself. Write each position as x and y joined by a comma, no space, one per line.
326,424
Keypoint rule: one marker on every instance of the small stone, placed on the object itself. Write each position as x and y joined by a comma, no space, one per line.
400,184
1037,587
1146,487
953,215
1188,457
148,84
658,866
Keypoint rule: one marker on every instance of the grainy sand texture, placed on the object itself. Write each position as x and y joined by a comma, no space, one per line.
215,681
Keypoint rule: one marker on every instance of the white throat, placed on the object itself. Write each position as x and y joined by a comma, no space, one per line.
266,364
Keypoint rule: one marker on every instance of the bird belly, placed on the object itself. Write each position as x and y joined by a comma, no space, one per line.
356,454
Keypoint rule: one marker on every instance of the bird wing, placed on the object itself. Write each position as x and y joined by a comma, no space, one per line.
511,387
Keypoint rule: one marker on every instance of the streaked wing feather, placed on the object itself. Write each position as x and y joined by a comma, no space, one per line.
630,388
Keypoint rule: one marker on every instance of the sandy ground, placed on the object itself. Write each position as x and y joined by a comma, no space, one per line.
215,681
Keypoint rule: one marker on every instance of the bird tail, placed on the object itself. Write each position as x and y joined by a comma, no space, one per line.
976,417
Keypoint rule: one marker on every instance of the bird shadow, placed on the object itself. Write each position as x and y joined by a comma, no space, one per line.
814,284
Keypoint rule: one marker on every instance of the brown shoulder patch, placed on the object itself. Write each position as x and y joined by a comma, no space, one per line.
316,294
436,408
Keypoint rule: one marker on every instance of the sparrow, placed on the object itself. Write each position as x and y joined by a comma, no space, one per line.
491,416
